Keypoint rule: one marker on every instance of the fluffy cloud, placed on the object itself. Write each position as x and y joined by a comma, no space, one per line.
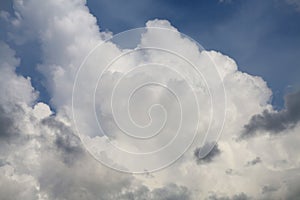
42,148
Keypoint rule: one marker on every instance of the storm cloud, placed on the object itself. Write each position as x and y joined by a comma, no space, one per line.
275,121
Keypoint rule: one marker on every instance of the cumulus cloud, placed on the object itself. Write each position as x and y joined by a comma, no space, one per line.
276,121
42,149
13,88
47,156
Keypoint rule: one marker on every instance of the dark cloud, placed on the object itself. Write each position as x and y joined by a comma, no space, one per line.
241,196
171,191
255,161
168,192
65,170
3,162
6,124
292,184
8,121
275,122
66,141
268,189
200,158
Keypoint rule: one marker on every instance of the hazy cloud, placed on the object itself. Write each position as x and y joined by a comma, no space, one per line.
295,3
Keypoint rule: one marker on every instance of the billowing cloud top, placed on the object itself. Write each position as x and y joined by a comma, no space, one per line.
42,151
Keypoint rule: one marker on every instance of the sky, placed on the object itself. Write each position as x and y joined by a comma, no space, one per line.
201,102
262,36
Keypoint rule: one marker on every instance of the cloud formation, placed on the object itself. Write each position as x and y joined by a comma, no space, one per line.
276,121
47,156
41,148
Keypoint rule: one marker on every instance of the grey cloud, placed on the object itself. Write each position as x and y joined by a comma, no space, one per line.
275,122
232,172
215,151
141,193
171,191
66,141
292,184
240,196
85,179
229,171
8,121
3,162
6,124
168,192
269,189
11,190
255,161
62,170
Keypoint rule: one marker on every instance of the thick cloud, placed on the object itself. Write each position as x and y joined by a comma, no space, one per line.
46,154
13,88
276,121
41,150
66,139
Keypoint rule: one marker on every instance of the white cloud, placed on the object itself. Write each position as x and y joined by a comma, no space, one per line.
47,154
13,87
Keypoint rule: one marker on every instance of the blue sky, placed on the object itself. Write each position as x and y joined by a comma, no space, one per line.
263,37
